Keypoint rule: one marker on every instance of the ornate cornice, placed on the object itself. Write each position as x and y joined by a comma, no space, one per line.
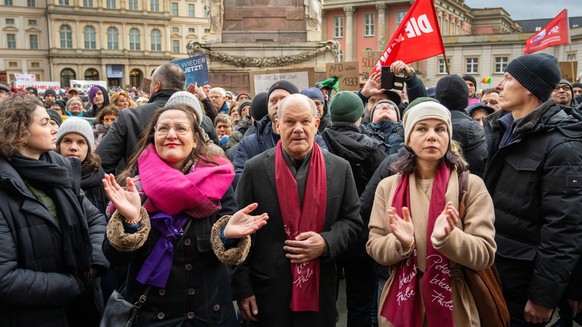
241,61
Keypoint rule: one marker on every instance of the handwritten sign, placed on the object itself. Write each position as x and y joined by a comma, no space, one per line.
369,60
25,77
348,73
195,68
84,86
262,80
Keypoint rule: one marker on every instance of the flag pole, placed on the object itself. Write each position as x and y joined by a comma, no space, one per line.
572,65
446,63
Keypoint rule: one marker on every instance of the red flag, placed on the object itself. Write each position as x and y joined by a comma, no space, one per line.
417,37
555,33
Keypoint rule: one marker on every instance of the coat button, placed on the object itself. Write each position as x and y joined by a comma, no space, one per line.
187,242
216,307
190,315
188,267
191,291
162,292
161,315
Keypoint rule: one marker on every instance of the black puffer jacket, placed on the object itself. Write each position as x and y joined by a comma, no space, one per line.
535,183
471,137
35,289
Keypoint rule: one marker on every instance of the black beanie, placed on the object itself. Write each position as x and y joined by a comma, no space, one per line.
259,108
452,92
50,91
538,73
61,104
55,116
471,79
285,85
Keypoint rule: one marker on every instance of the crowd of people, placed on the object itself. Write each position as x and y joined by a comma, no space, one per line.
201,198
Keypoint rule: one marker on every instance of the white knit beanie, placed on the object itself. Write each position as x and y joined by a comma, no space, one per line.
79,126
188,99
426,110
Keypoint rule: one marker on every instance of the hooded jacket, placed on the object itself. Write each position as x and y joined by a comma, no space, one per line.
535,182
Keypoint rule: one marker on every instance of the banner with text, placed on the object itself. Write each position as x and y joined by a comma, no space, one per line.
84,86
555,33
348,73
417,37
24,77
40,86
195,68
262,80
369,60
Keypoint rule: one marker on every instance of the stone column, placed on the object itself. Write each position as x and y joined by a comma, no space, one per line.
382,27
349,33
324,26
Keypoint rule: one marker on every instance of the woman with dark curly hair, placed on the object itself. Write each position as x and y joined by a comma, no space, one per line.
50,233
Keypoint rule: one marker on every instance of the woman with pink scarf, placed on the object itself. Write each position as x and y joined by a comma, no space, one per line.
416,228
172,225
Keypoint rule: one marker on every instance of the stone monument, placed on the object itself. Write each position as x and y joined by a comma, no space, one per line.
250,35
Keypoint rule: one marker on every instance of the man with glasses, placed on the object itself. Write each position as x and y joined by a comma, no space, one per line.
317,96
384,126
563,94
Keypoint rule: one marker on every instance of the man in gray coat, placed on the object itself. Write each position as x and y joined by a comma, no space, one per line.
289,277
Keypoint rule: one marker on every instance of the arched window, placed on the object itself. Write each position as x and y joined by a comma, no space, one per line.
135,77
156,40
67,75
90,37
66,34
134,39
91,74
112,39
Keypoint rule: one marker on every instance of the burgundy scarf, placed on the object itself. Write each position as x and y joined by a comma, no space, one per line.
402,304
298,219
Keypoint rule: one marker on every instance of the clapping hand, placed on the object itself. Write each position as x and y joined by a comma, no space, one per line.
127,202
445,222
242,223
402,227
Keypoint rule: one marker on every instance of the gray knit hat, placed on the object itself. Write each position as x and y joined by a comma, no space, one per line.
538,73
79,126
188,99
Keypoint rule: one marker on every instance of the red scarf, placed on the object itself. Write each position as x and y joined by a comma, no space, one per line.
298,219
402,304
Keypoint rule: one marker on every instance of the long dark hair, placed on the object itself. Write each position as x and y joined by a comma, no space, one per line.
406,162
148,137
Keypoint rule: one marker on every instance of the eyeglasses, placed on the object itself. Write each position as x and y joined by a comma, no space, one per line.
562,87
179,128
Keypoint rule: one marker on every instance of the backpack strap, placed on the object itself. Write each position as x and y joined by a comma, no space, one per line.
463,190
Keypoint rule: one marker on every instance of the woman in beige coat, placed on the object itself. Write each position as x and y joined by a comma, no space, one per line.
415,228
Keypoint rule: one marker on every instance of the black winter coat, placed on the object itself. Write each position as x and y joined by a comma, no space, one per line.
197,292
471,137
35,290
535,183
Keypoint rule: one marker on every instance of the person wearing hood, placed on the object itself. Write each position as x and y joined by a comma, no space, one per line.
563,94
453,93
533,174
478,111
344,139
98,98
384,126
316,95
104,121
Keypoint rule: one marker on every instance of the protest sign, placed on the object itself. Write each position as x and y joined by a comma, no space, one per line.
348,73
262,80
195,68
84,86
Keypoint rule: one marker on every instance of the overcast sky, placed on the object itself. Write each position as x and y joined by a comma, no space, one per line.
528,9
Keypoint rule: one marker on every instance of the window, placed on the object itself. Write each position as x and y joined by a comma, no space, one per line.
63,2
13,64
90,37
67,75
111,4
205,12
35,64
31,3
340,55
369,26
8,2
442,66
37,76
338,27
32,22
472,65
156,40
501,64
399,17
175,29
191,10
174,9
112,39
66,37
134,39
11,41
206,30
9,21
191,29
88,3
33,38
133,5
155,5
176,46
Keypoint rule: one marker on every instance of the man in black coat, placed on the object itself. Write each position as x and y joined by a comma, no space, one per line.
287,256
453,93
534,176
